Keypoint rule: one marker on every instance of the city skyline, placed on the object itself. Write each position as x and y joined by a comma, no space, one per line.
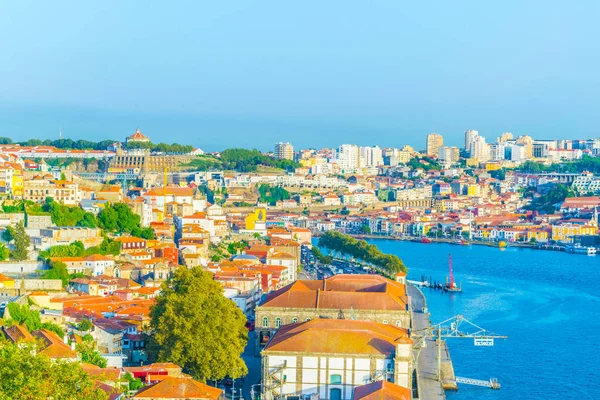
252,72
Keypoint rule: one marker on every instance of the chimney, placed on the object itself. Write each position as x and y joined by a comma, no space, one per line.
73,346
66,339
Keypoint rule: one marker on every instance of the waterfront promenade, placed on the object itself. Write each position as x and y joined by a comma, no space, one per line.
429,385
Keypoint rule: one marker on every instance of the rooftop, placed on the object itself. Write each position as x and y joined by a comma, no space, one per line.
339,336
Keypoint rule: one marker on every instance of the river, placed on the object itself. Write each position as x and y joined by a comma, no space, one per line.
546,302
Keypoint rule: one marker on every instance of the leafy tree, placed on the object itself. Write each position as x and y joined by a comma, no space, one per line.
233,247
345,245
24,315
4,252
366,229
29,375
8,234
22,242
58,270
119,217
195,326
272,194
84,325
134,383
89,354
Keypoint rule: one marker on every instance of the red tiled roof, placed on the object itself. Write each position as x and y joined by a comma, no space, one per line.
340,336
178,388
381,390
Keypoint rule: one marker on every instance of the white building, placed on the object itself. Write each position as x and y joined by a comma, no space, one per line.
331,357
470,136
371,156
348,158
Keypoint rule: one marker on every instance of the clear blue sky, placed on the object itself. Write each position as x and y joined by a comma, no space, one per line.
317,73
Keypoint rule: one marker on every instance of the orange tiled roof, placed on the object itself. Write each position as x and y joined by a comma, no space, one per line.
359,292
381,390
340,336
178,388
53,345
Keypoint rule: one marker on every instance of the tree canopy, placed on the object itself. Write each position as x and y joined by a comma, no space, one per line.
119,217
272,194
195,326
22,242
342,244
63,215
586,163
550,201
29,375
22,314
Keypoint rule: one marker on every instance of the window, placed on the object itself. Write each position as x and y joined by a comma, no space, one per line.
335,379
398,323
385,321
308,319
265,322
294,320
277,322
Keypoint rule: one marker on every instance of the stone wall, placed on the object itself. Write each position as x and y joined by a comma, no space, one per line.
20,267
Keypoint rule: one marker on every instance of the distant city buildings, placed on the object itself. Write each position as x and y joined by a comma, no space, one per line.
284,151
434,143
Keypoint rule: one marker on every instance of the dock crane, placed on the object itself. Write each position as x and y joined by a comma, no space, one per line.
457,327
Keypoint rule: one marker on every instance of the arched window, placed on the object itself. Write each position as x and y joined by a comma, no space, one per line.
398,324
265,322
308,319
294,320
385,321
277,322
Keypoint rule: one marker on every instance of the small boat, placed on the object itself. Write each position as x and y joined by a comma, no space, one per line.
502,244
425,240
579,249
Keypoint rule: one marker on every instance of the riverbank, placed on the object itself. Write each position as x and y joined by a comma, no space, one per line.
418,239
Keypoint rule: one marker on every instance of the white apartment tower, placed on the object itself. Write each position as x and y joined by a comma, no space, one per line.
371,156
470,136
284,151
348,158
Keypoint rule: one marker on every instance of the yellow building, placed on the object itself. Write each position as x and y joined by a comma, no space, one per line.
256,220
6,282
473,190
492,166
565,232
540,235
11,179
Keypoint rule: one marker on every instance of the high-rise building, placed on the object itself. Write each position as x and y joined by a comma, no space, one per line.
434,143
470,136
284,151
527,142
371,156
497,151
449,155
347,158
479,149
505,137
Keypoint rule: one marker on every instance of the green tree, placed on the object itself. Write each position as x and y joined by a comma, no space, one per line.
8,234
89,354
28,375
24,315
22,242
195,326
84,325
58,270
4,252
134,383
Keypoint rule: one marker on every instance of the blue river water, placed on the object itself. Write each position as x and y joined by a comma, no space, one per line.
546,302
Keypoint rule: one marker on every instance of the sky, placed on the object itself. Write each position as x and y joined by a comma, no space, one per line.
220,74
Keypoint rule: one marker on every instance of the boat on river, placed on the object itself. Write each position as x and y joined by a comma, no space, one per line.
579,249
